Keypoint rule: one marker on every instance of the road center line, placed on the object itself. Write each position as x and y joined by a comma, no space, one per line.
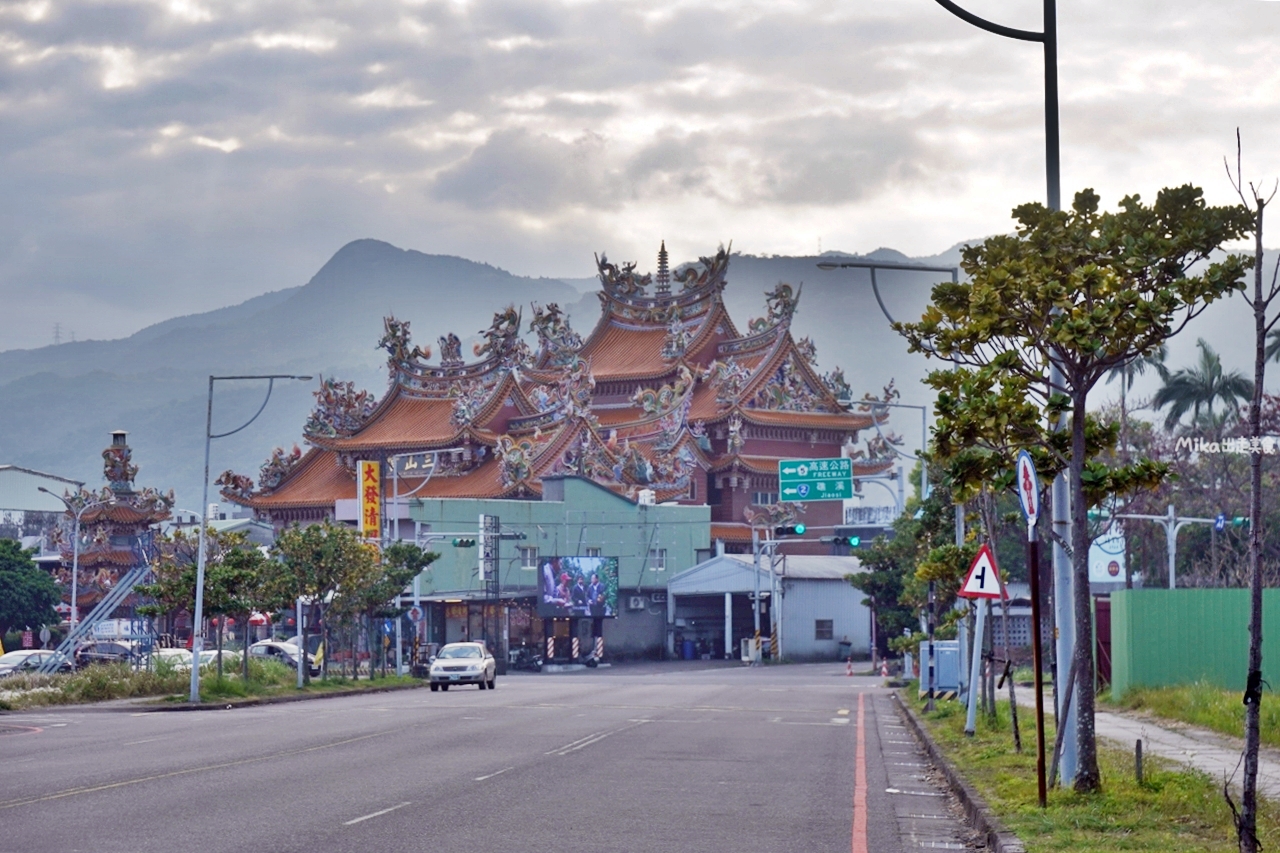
375,814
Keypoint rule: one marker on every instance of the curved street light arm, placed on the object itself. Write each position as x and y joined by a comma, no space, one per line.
270,385
989,26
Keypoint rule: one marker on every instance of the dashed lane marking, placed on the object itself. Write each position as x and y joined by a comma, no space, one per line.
354,821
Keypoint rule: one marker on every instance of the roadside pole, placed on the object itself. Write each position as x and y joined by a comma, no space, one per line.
1028,486
982,582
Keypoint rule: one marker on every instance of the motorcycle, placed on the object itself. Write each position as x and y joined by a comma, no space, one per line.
526,659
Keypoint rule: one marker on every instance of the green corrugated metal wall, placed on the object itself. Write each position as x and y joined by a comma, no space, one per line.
1162,637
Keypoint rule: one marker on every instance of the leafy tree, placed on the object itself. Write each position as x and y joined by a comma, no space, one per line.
371,597
1089,291
28,595
317,561
1193,388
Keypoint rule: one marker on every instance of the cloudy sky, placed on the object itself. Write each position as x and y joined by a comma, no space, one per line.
169,156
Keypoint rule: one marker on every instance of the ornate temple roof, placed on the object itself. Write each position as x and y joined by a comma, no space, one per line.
632,406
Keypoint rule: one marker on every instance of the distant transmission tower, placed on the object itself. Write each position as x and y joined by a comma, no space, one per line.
57,334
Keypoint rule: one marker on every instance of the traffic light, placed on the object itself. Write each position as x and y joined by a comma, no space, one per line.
793,530
462,542
1239,521
851,541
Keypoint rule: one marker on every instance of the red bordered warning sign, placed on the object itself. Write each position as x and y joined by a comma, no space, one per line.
984,578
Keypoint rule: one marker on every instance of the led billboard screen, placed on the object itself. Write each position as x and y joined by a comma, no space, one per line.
578,586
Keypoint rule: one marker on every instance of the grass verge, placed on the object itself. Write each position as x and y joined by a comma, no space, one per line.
1202,705
166,684
1173,810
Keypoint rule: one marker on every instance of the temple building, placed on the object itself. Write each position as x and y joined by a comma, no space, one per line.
665,400
118,524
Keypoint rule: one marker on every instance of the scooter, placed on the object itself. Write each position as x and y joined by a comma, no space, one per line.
525,658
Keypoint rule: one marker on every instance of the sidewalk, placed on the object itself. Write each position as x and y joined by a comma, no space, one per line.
1215,754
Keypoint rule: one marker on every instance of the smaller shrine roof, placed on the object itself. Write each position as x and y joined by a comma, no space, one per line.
730,532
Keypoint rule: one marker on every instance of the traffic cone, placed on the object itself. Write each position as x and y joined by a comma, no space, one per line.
884,668
848,667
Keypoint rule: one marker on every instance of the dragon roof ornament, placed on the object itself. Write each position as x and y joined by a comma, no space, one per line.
781,304
340,409
557,342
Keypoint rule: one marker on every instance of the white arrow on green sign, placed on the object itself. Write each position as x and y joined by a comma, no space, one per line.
815,479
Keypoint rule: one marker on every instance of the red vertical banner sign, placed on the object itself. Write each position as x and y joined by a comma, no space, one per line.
370,479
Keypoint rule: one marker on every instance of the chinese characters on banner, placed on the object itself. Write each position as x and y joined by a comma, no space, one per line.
370,499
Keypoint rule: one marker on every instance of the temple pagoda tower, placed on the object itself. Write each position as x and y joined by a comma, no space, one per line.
666,399
116,534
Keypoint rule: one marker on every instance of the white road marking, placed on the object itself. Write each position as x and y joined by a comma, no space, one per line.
375,814
147,740
913,793
594,737
495,773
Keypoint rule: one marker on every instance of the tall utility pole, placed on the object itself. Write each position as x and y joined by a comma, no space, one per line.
1063,583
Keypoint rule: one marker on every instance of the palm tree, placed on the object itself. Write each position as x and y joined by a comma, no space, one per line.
1272,352
1193,389
1127,373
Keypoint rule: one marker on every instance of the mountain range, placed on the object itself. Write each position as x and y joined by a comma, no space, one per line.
58,404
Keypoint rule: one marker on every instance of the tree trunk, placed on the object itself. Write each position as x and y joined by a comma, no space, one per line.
1246,830
1088,778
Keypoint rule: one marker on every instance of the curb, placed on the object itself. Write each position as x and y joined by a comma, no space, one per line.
268,700
976,809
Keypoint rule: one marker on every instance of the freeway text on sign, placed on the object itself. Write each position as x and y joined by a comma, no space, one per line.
815,479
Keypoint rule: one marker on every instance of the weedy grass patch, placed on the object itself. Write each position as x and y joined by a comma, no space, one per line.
1203,705
1174,809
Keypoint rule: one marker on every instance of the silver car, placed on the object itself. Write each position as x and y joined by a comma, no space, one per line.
463,663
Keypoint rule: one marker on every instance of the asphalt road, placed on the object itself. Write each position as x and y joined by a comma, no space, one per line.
643,758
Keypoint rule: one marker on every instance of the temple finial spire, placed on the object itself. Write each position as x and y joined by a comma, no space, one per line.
663,277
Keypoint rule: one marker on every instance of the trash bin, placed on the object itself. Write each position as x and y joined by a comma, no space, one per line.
846,649
687,650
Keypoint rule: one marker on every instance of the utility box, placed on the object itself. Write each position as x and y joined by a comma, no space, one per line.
946,668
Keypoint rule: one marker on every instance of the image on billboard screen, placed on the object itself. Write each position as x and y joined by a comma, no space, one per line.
578,586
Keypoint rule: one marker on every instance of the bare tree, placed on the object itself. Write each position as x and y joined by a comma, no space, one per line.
1246,818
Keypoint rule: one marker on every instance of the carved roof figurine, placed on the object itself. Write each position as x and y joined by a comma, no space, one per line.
277,467
117,468
558,344
502,336
395,340
623,280
781,303
712,272
340,409
450,351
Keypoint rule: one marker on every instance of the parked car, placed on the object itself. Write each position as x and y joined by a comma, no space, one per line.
179,659
106,651
286,653
29,660
230,659
463,663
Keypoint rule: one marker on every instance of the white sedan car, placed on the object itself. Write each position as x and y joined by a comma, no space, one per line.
463,663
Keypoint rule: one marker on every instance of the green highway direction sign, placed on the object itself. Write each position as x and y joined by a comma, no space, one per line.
815,479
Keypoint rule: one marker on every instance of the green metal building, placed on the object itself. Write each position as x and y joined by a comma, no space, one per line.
576,517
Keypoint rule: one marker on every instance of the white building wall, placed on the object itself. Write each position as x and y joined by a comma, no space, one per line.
808,600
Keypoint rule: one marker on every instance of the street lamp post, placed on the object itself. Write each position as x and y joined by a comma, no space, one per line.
75,553
872,266
1063,582
197,640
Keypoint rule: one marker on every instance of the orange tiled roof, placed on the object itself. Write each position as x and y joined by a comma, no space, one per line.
619,353
730,532
406,420
318,479
848,421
